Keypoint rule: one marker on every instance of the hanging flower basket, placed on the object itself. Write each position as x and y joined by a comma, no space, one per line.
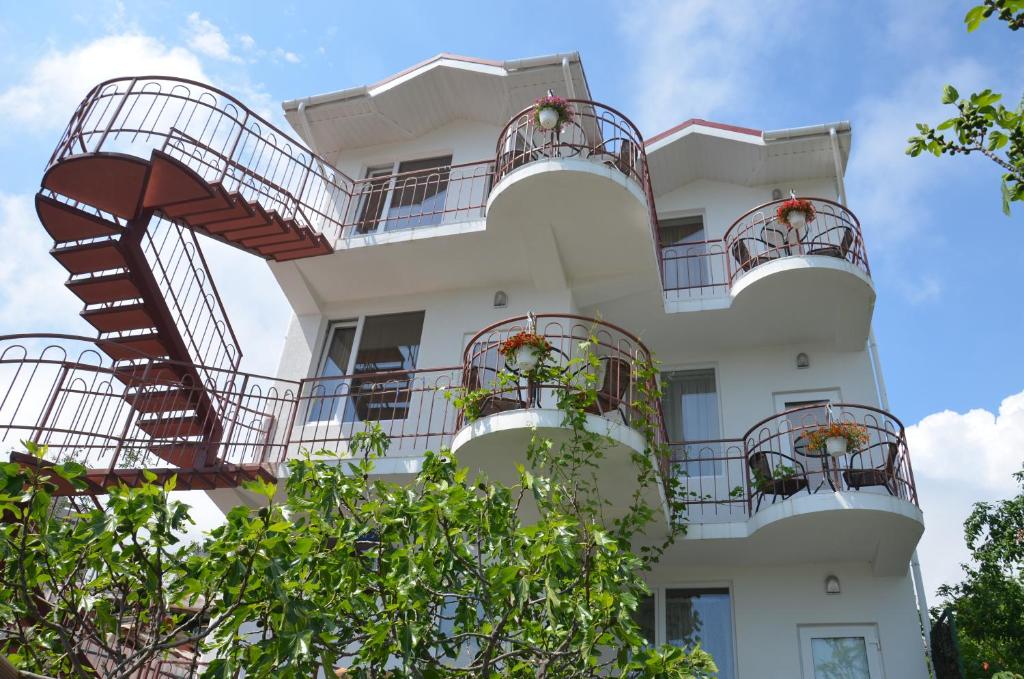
551,112
525,350
796,213
837,438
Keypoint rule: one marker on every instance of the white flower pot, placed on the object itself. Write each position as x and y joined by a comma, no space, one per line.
796,219
526,358
548,118
835,445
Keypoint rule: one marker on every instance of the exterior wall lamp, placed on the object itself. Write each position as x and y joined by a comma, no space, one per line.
803,360
500,299
832,585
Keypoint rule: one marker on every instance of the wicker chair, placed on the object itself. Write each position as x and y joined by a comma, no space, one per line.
746,261
820,246
766,483
498,402
884,475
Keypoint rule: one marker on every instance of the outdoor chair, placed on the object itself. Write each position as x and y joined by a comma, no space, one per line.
747,261
821,245
765,482
498,402
885,475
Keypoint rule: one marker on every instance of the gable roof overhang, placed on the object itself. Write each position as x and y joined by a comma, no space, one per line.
430,94
702,149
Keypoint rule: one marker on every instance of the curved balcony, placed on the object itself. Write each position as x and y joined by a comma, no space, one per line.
513,406
587,178
795,503
780,284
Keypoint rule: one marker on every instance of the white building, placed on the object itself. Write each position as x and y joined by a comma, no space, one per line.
435,209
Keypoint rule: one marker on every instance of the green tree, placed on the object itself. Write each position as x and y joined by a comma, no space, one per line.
989,602
982,124
441,577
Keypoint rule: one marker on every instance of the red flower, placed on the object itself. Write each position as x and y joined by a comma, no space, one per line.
795,205
524,339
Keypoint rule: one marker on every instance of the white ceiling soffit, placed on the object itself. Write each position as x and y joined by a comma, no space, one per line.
700,149
427,96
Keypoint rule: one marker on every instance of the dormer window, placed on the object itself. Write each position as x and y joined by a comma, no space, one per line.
404,195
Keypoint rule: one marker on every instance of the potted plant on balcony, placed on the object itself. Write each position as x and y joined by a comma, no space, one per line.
796,213
525,350
551,112
837,438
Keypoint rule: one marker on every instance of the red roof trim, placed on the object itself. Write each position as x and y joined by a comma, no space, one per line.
704,123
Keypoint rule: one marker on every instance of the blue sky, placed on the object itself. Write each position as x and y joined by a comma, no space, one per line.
947,263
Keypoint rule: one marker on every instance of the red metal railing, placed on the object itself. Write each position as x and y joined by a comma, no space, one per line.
617,377
756,238
60,391
223,141
597,133
719,477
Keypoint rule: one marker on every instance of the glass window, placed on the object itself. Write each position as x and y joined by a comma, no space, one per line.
327,394
375,197
702,616
691,418
684,248
388,346
645,618
840,658
421,188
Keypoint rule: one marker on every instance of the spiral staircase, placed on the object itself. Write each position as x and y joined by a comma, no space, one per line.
145,164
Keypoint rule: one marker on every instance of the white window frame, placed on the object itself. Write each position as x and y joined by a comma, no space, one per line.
866,631
392,168
357,338
718,395
660,626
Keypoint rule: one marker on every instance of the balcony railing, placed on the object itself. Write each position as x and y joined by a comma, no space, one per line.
59,390
712,267
573,339
730,479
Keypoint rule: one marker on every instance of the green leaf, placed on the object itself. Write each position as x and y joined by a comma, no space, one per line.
974,17
148,475
949,94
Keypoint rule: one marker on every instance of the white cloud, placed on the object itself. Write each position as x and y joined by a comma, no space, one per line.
927,288
46,97
960,459
696,57
32,292
888,187
290,57
246,41
205,38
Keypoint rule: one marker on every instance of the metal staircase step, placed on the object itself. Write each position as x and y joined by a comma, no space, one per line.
172,427
111,182
168,400
65,223
259,218
182,455
238,209
119,318
101,255
113,287
151,373
321,247
132,347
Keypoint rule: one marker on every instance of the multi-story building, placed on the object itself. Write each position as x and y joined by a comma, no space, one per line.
425,218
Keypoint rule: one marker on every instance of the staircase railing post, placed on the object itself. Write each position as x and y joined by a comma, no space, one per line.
234,416
117,112
234,146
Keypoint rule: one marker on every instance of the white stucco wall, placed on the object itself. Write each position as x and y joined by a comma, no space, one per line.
770,602
722,203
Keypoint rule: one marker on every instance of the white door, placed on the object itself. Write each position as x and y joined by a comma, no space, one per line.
840,652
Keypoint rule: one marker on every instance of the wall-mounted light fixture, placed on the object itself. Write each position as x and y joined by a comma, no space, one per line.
776,194
831,584
803,360
500,299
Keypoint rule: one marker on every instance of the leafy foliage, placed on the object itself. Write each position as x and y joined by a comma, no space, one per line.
440,577
982,124
989,603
